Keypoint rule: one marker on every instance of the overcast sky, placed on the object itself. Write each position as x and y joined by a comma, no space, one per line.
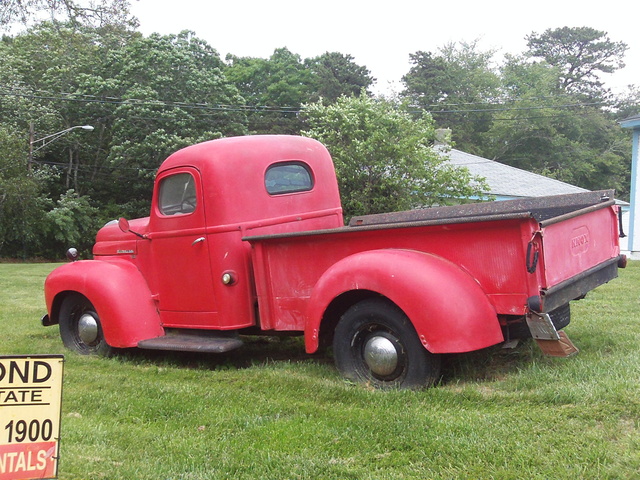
380,35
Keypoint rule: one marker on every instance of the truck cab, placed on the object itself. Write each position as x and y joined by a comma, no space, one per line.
188,255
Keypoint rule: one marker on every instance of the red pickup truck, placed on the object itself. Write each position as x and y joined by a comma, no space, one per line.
246,237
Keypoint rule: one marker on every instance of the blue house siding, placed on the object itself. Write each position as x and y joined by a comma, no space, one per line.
634,213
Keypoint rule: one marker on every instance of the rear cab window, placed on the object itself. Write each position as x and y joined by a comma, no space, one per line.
288,177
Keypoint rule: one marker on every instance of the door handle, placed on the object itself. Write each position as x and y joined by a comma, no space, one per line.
198,240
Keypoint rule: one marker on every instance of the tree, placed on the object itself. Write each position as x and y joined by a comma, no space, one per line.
30,224
545,129
96,13
457,85
44,71
146,98
544,111
73,221
384,157
279,81
154,96
581,54
273,88
629,103
23,196
22,201
336,74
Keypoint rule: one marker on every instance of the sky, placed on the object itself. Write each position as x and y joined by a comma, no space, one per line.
380,35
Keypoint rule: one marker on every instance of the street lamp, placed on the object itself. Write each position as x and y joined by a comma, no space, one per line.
48,139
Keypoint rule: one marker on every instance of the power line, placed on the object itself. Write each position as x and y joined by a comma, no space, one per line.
537,107
106,100
93,167
81,98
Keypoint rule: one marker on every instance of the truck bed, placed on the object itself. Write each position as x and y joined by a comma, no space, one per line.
530,254
544,209
571,265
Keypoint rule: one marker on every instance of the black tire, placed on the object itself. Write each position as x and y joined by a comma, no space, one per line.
518,328
80,327
375,343
561,316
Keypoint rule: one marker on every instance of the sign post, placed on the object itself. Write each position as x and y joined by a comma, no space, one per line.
30,403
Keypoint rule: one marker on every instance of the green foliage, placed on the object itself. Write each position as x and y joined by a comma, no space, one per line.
384,157
335,75
551,117
21,199
544,110
94,12
550,131
581,54
170,91
270,411
71,223
456,85
46,60
30,224
628,104
276,88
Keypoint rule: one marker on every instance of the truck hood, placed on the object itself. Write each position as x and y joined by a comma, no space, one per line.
110,240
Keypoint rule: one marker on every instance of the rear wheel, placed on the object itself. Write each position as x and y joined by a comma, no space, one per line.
80,327
375,343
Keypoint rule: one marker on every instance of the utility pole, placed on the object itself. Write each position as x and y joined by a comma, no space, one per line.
31,139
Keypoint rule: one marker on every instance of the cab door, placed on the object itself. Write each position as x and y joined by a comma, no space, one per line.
180,251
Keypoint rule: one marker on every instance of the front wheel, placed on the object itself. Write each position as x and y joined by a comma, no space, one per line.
375,343
80,327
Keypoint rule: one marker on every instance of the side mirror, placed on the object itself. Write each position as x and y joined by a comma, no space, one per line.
123,223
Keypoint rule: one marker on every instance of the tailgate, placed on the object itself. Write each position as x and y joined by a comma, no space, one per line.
580,251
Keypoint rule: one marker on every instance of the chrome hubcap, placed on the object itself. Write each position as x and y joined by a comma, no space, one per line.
88,328
381,355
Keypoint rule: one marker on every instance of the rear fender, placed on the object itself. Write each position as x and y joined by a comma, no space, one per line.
119,293
447,307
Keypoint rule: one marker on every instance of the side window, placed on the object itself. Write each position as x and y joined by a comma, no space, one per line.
288,177
177,195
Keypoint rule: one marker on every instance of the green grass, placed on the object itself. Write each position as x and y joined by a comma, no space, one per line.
271,412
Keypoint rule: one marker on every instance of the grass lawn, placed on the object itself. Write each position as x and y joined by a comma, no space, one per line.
271,412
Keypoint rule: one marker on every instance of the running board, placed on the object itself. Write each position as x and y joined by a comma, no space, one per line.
193,342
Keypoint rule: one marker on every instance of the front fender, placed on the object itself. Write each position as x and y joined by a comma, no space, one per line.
447,307
117,290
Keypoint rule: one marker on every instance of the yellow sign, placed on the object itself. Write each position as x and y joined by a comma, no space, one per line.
30,402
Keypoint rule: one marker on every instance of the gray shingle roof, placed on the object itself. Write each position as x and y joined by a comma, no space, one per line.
509,181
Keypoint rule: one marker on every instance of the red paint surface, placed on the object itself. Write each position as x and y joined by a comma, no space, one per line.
453,280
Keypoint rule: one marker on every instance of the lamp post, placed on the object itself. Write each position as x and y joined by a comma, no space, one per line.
48,139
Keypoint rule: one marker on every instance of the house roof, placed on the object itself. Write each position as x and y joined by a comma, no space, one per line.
507,181
631,122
